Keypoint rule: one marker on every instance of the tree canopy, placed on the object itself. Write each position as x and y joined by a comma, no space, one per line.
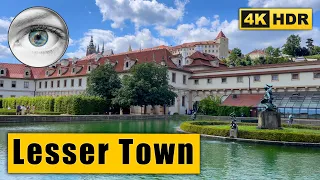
292,45
103,82
147,84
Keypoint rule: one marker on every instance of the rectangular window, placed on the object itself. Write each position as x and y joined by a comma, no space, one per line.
223,80
196,81
14,84
1,83
173,77
65,83
80,82
209,81
240,79
51,84
58,83
26,84
183,101
316,75
13,95
72,82
40,85
295,76
45,84
256,78
275,77
184,79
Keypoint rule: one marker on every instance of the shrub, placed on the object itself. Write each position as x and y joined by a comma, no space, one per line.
13,112
205,127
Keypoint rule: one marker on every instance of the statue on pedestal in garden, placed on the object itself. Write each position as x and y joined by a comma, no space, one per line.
268,98
269,118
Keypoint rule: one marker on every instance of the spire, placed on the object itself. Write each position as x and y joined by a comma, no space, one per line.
98,50
111,52
220,35
130,49
91,41
102,51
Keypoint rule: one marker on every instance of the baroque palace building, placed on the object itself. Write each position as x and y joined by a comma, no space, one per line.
193,77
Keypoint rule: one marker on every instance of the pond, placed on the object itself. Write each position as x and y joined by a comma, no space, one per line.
219,160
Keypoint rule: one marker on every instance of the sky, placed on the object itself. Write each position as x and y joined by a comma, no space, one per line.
149,23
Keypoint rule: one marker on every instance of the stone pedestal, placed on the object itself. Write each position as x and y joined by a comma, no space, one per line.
269,120
234,133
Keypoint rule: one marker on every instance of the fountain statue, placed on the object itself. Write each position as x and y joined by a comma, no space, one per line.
234,126
269,118
267,99
195,110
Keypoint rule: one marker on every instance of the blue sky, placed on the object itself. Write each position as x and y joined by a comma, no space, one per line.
119,23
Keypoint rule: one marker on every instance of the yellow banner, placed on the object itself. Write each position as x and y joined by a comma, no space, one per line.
275,19
104,153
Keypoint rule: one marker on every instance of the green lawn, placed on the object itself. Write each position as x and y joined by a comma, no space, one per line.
284,130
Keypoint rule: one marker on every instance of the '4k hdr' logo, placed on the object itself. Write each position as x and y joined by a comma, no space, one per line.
275,19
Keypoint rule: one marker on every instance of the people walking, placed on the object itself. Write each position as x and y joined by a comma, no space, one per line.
290,120
18,110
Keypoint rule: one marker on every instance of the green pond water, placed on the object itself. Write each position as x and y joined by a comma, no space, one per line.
219,160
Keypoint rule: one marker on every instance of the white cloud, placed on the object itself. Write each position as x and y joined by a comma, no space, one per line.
141,38
203,21
4,26
140,12
245,40
5,51
315,4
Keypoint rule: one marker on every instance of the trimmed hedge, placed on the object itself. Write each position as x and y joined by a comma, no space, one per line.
13,112
271,135
227,110
76,104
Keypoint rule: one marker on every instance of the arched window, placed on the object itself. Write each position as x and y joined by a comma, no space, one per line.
127,64
89,68
179,62
1,71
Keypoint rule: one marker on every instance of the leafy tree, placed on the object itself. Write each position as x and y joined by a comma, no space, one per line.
302,51
146,85
102,82
315,50
292,44
234,57
310,44
269,51
276,52
209,105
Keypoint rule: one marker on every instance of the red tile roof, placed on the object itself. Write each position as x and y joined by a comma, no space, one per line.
203,56
192,44
257,51
249,100
220,35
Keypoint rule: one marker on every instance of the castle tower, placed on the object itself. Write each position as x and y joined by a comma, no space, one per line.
102,51
223,50
98,50
130,49
91,49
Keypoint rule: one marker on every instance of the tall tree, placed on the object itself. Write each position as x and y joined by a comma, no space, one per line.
276,52
310,44
292,44
315,50
146,85
235,57
269,51
103,81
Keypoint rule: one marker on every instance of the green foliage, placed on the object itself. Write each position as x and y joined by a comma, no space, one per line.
77,104
147,84
13,112
209,105
235,57
292,44
103,82
249,131
0,102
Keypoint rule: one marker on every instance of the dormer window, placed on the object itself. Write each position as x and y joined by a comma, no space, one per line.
127,64
179,62
2,72
89,68
27,73
47,73
73,70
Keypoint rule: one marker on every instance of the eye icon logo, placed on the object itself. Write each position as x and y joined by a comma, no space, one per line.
38,37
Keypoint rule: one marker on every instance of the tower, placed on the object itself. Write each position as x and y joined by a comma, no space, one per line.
98,50
130,49
223,41
102,51
91,49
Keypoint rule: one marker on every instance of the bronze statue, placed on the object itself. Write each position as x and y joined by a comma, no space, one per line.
195,110
233,122
267,99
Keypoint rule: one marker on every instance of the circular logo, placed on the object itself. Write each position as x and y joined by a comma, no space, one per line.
38,37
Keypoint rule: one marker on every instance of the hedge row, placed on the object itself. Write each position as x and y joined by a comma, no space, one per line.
271,135
227,110
13,112
77,104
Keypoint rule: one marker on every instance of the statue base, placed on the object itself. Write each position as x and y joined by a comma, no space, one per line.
234,133
269,120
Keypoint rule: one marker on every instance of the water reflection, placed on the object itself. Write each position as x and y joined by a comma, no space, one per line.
219,160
